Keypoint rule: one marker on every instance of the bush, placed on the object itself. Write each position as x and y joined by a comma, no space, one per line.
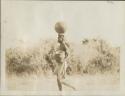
106,60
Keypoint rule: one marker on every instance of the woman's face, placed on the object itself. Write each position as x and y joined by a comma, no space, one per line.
60,38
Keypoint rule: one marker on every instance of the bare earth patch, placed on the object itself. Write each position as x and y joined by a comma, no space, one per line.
48,83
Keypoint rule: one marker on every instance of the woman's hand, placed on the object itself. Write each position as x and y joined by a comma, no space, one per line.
66,54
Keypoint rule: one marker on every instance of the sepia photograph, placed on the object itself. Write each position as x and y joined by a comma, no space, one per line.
62,47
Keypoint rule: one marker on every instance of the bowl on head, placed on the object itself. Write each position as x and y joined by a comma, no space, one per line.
60,27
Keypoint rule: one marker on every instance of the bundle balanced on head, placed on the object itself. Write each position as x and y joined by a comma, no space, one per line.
61,55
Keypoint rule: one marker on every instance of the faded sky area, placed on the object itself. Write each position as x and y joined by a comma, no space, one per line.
31,21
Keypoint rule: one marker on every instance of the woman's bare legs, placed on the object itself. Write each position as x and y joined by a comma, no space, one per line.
68,85
60,82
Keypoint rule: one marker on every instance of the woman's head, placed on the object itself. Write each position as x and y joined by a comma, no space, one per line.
60,38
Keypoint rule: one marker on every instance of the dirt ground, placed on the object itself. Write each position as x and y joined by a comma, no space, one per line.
48,83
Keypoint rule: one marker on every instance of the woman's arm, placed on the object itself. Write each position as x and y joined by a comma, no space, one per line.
66,49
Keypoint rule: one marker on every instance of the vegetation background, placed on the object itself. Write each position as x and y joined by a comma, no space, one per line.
91,56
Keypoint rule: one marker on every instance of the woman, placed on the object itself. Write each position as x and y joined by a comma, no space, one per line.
61,56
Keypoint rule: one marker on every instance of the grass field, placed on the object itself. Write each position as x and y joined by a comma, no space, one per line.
95,66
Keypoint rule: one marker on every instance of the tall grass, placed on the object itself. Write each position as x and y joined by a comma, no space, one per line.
90,57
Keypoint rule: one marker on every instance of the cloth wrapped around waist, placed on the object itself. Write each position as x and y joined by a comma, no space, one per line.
61,68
